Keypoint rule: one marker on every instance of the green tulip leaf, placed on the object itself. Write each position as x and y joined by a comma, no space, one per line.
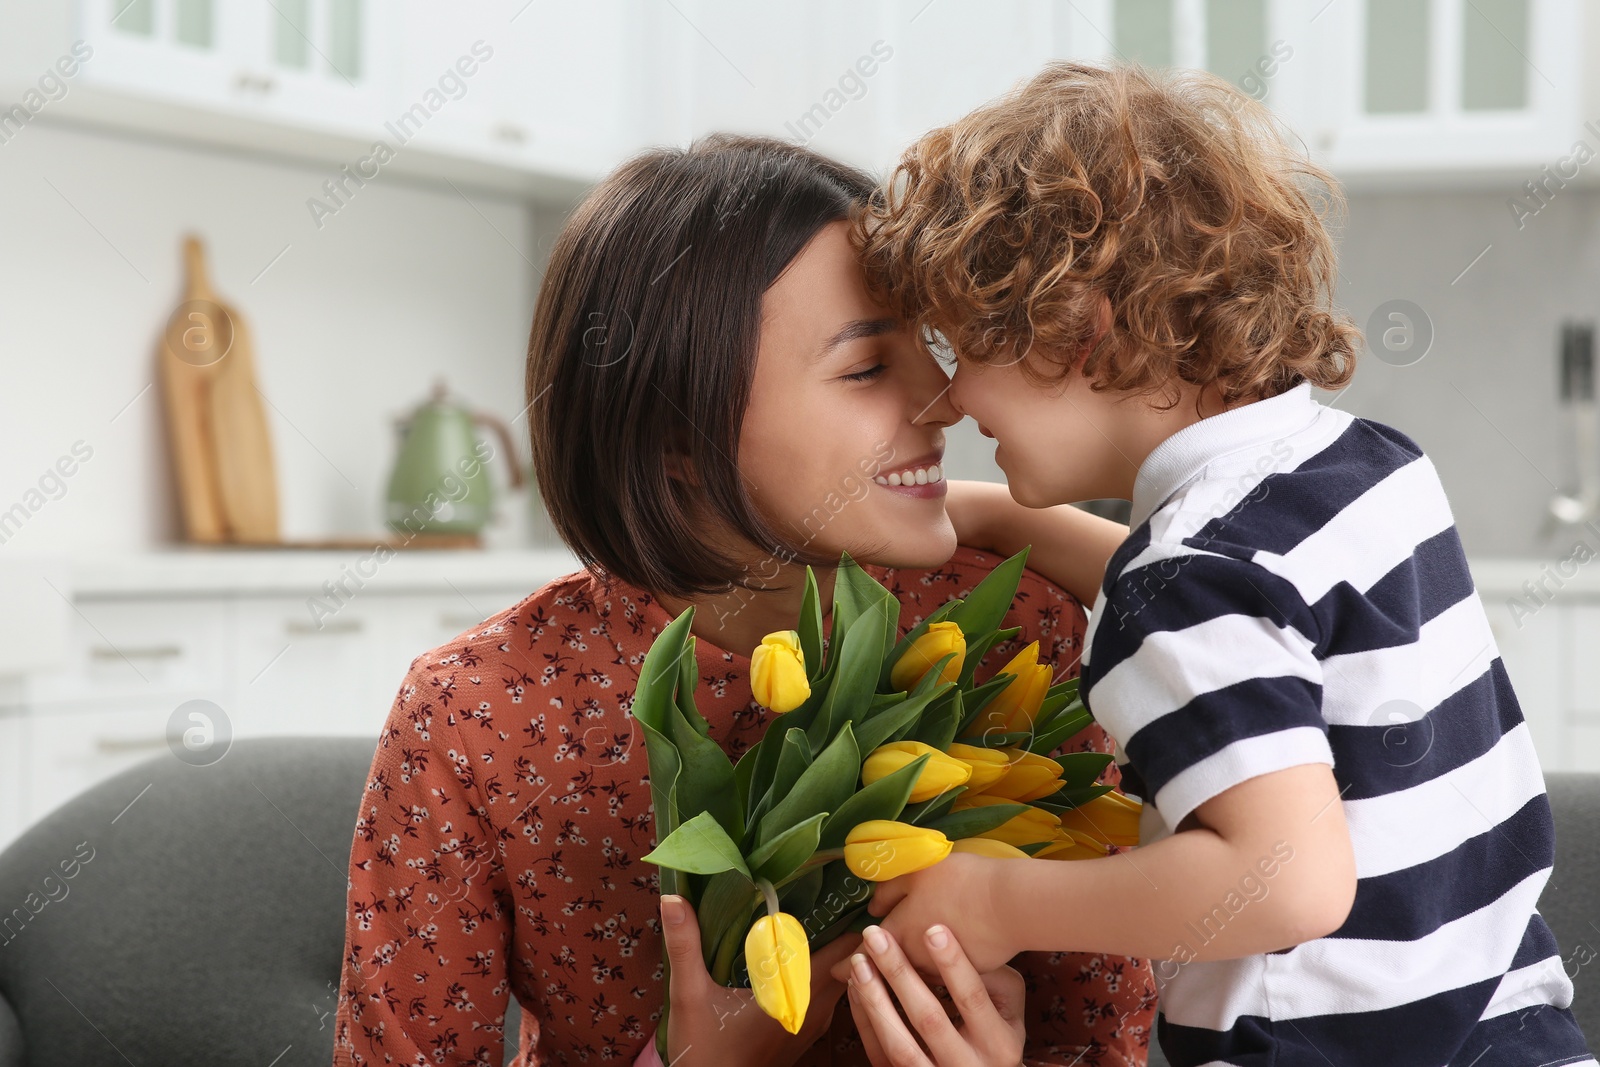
985,607
743,773
794,759
705,782
1051,737
931,811
688,682
970,822
850,694
940,721
658,678
1067,799
881,727
979,648
1083,768
726,900
884,799
799,897
841,894
978,697
699,846
854,593
810,627
823,786
784,854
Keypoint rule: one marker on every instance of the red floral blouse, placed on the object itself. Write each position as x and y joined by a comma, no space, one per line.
497,848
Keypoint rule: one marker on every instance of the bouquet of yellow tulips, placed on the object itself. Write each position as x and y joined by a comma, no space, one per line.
886,755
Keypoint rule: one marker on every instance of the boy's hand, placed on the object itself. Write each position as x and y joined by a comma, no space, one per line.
991,1006
962,892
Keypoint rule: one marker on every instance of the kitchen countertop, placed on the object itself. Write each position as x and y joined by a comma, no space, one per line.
214,571
1570,574
194,571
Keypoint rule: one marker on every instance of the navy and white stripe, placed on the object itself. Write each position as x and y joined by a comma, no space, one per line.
1293,591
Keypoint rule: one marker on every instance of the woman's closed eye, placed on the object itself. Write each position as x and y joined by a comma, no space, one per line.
868,374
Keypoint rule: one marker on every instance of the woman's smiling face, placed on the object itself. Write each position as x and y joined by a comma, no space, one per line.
842,443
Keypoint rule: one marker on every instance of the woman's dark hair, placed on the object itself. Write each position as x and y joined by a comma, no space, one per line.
644,343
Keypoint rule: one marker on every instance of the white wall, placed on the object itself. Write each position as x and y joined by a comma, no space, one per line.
351,325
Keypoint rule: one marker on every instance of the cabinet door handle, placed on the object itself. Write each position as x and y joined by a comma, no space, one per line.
147,652
335,626
129,744
510,133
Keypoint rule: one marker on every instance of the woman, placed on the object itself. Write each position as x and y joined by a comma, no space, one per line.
715,402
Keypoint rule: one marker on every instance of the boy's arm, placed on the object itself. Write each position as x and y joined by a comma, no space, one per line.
1070,546
1270,856
1204,666
1272,853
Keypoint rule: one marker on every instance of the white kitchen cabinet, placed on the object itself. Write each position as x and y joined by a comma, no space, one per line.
535,86
1532,646
234,629
1435,88
1546,624
1583,665
302,675
136,648
320,63
70,747
13,765
1381,91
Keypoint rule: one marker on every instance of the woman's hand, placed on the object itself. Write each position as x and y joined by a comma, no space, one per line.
708,1023
991,1033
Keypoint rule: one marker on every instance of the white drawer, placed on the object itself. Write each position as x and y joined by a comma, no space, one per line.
71,747
1585,732
1583,658
1532,645
137,648
303,673
13,797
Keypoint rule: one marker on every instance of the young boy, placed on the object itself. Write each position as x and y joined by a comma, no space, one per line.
1345,830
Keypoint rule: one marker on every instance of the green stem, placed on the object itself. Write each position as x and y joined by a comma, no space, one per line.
728,947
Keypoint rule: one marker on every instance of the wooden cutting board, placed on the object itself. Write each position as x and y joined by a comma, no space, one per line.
222,450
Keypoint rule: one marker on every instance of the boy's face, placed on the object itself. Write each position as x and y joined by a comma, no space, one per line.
1056,444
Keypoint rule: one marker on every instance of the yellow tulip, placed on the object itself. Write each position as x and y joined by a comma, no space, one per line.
778,672
989,765
988,846
1111,818
941,639
1027,828
880,849
779,961
1072,845
1028,776
941,772
1015,707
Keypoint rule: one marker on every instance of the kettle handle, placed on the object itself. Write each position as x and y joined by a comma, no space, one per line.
483,418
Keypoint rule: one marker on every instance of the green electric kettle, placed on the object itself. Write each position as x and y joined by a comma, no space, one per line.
440,483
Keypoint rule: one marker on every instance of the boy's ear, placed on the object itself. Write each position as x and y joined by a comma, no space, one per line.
1102,326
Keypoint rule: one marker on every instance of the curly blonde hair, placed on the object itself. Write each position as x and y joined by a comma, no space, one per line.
1171,194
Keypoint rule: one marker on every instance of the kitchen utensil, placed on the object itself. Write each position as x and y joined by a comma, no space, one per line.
222,451
440,482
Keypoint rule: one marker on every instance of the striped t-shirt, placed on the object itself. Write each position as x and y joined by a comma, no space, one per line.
1293,591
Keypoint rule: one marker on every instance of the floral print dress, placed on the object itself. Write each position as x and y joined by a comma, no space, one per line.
496,852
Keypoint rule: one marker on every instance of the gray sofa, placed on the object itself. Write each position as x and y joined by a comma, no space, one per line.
134,947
